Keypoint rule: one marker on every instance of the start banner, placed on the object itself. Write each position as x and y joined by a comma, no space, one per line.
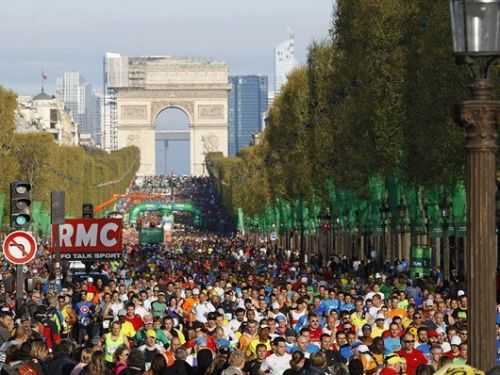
89,239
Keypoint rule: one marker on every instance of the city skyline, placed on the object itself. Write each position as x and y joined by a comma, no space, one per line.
242,35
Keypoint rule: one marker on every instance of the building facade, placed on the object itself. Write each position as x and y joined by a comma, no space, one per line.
80,101
248,102
45,113
284,62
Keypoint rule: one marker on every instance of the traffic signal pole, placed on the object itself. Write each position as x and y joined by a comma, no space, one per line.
57,218
20,219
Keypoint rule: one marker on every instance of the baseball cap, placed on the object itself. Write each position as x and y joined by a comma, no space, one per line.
455,340
280,317
150,333
394,359
432,333
428,303
446,347
460,293
196,291
380,317
148,319
363,349
440,331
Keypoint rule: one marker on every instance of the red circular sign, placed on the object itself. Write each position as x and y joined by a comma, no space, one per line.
19,247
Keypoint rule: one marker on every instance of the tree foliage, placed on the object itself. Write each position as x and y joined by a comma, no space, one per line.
91,176
374,102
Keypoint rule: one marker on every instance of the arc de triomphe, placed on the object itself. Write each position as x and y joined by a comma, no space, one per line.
200,89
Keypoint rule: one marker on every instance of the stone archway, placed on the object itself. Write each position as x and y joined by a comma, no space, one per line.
172,141
200,89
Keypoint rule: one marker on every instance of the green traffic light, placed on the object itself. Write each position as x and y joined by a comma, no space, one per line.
21,220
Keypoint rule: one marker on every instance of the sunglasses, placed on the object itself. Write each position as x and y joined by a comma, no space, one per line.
409,341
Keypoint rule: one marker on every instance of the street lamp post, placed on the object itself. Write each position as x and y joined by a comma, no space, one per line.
476,41
445,214
384,211
497,212
403,253
324,234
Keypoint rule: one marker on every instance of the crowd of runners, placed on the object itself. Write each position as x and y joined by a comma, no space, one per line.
209,304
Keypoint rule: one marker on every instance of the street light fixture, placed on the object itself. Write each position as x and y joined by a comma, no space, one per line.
476,41
445,215
474,25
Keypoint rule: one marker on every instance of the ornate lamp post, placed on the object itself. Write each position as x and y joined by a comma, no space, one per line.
325,220
497,212
403,209
384,211
476,41
445,215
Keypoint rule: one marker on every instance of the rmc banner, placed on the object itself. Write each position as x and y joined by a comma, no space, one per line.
89,239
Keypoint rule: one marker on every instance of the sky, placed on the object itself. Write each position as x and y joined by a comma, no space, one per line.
55,36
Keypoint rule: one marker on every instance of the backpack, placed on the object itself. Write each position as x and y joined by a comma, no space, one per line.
26,369
20,368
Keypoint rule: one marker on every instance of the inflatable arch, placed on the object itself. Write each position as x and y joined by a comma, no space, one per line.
165,209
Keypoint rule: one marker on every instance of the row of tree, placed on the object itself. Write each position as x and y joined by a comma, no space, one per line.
373,107
91,176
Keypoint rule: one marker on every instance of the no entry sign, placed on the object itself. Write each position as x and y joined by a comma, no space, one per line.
89,239
19,247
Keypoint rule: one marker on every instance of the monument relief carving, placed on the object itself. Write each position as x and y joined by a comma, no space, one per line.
211,112
172,92
210,143
134,112
133,139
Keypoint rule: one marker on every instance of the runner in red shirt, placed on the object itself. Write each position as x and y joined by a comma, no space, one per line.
133,318
315,328
413,357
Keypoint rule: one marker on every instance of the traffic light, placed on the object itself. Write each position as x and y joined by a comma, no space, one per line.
88,211
20,204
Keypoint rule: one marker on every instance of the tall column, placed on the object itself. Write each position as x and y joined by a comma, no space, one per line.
479,118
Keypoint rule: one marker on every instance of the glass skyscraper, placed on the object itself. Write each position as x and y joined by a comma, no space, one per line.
247,108
80,100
